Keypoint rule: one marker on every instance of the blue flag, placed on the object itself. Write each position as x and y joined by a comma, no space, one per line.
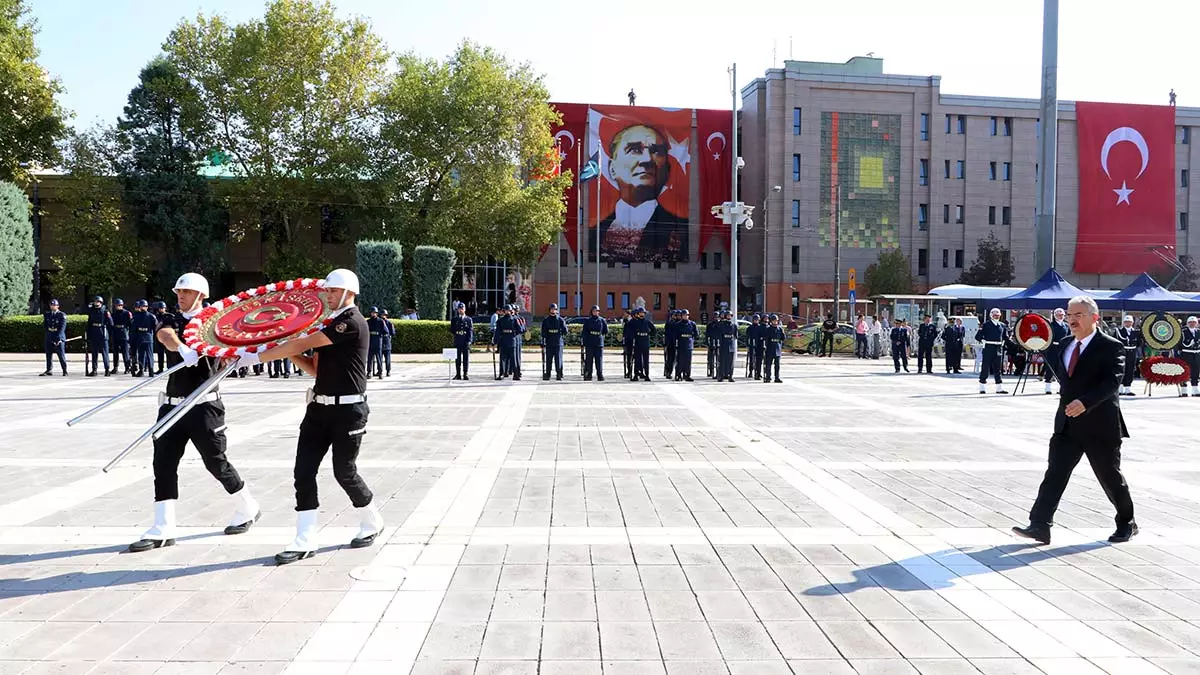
590,171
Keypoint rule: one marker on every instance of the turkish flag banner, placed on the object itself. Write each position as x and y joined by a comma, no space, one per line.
714,130
569,140
1126,186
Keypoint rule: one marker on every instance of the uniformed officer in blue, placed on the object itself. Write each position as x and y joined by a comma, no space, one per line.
953,336
669,335
554,331
626,346
640,330
772,337
122,321
926,336
726,338
522,326
55,337
99,322
462,330
336,416
1059,330
376,329
711,344
203,425
686,334
595,328
1189,351
901,343
992,335
1131,343
161,315
755,342
505,339
142,339
386,346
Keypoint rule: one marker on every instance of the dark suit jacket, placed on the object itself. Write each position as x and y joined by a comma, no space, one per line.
653,246
1095,383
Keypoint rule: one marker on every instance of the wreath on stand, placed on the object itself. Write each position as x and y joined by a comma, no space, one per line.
1165,370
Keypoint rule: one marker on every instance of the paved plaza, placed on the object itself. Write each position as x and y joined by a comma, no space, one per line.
846,521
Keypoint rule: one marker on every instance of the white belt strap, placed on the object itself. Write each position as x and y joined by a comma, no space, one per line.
989,342
163,399
339,400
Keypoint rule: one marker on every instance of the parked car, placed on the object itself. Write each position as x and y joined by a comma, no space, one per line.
806,339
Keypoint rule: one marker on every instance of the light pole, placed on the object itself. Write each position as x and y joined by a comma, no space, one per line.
1048,143
765,229
837,256
733,197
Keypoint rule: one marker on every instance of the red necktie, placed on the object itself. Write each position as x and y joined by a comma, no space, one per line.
1074,358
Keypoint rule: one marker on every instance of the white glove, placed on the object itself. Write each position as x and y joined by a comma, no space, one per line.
190,356
249,359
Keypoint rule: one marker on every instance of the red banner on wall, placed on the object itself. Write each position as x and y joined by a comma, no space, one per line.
1126,186
572,155
714,130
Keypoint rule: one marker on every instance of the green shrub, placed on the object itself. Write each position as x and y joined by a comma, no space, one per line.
26,333
16,251
380,277
433,267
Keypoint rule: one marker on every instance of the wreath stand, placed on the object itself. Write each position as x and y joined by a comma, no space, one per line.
1024,376
1180,375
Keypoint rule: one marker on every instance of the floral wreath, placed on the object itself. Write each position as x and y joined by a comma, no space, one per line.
1165,370
194,332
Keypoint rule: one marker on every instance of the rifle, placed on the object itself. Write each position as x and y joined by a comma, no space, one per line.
495,373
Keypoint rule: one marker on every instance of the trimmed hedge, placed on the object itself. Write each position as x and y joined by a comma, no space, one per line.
25,333
378,264
433,267
16,251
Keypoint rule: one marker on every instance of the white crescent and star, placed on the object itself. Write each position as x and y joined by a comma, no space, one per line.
562,152
716,135
1124,135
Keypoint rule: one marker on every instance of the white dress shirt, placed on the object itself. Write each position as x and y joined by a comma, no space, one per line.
633,217
1083,345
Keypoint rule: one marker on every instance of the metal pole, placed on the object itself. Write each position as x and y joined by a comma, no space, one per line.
1048,143
76,420
579,242
597,184
733,192
763,230
837,255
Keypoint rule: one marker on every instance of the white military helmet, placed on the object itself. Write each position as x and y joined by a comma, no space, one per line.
1128,318
191,281
344,279
1191,319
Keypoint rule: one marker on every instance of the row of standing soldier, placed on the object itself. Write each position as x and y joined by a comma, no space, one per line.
124,334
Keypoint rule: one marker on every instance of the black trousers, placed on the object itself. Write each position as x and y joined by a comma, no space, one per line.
1065,452
726,362
593,359
668,360
120,347
683,362
1131,366
98,347
900,356
760,355
712,360
953,356
52,349
340,427
770,359
641,360
387,358
280,367
827,343
627,360
374,359
462,359
991,364
161,352
925,357
1193,361
143,361
204,426
552,355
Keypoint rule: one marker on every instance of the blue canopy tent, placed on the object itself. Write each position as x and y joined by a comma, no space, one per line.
1049,292
1145,295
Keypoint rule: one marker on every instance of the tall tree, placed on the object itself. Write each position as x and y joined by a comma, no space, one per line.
457,141
993,265
890,274
16,251
1183,278
288,97
31,120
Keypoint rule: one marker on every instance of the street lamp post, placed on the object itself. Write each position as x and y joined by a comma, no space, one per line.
766,224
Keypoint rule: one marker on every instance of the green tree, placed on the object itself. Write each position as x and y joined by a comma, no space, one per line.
1183,277
31,120
457,142
890,274
433,266
993,265
16,251
378,264
289,98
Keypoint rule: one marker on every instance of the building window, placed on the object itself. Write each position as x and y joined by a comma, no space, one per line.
609,300
670,300
924,172
703,301
945,213
991,215
948,121
962,124
716,301
703,261
1006,215
795,213
922,217
1183,178
717,260
796,121
995,126
1185,135
945,258
1183,221
947,173
562,300
796,168
960,170
1008,126
1008,171
991,171
657,265
795,260
625,300
657,300
564,257
922,262
958,258
958,214
924,126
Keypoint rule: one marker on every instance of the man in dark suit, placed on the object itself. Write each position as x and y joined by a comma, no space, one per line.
1089,366
1058,332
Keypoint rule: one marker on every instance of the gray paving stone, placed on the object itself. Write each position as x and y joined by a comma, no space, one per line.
971,640
634,668
277,642
744,641
686,641
570,641
800,640
857,640
511,641
624,641
622,606
914,640
822,667
951,666
506,668
451,641
570,668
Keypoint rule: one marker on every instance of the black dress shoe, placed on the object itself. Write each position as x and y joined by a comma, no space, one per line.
598,379
289,557
244,527
465,377
1039,533
44,374
458,377
688,379
143,545
363,542
778,381
1124,533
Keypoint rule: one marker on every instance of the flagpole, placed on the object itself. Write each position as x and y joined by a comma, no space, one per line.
598,179
578,299
558,252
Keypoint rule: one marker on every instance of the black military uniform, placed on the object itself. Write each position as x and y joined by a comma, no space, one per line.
161,315
508,330
594,330
626,346
462,328
772,349
99,323
686,334
554,331
901,343
726,338
669,344
710,343
638,334
953,337
55,340
1016,353
376,329
755,341
1131,344
1189,351
992,334
388,333
144,325
118,338
926,336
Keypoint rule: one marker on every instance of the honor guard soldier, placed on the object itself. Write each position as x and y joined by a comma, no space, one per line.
926,336
953,336
55,337
462,329
376,330
554,331
754,344
144,324
1189,350
669,344
1131,344
638,334
122,321
99,323
595,328
901,343
686,334
161,315
1059,330
726,338
626,346
203,425
336,416
388,334
992,335
772,349
505,339
710,344
522,326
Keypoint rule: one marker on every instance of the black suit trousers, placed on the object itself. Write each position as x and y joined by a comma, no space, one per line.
1065,452
925,357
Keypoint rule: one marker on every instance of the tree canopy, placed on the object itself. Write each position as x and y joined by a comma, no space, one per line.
993,264
31,120
891,274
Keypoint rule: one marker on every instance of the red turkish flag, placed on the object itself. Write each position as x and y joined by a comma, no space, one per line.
569,139
714,130
1126,186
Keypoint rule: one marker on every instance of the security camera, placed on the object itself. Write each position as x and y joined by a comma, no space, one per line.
741,163
749,223
717,210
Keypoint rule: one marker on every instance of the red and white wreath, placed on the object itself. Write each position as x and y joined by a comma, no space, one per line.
259,319
1165,370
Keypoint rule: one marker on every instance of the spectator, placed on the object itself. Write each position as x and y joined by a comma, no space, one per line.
792,325
876,334
410,314
860,337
